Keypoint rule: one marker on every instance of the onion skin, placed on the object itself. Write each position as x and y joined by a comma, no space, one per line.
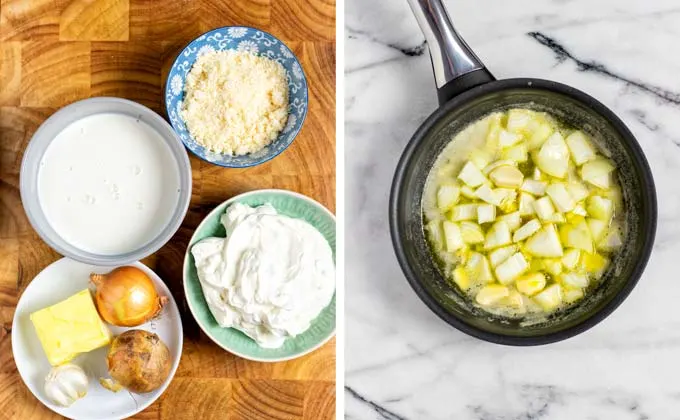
126,297
139,361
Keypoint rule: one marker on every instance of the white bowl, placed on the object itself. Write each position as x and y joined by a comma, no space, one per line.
55,283
53,126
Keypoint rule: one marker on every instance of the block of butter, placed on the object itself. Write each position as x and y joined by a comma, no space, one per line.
70,327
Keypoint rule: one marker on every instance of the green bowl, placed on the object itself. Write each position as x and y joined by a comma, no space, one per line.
234,341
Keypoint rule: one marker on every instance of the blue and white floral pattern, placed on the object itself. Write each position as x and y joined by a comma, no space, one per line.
244,39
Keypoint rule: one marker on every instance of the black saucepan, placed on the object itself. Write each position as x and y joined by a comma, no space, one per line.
467,92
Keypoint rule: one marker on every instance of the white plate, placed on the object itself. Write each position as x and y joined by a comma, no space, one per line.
55,283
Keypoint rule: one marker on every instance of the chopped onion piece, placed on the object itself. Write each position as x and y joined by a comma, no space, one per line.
577,190
560,197
600,208
447,197
499,255
498,164
472,233
572,295
550,298
461,278
517,153
486,213
434,228
597,228
545,243
497,236
534,187
507,139
528,229
464,212
486,194
571,258
481,158
544,208
579,147
519,119
539,136
452,236
553,158
471,175
514,220
579,210
577,236
553,266
510,269
526,204
467,192
596,172
612,240
574,280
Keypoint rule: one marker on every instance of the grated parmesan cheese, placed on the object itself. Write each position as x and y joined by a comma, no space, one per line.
235,102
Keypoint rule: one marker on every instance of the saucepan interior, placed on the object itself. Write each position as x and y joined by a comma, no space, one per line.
572,107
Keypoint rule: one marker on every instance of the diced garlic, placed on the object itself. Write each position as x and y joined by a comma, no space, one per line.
452,236
499,255
508,199
512,268
534,187
491,294
464,212
550,298
531,283
544,208
497,236
471,175
545,243
560,197
447,197
528,229
577,236
579,147
472,233
526,204
553,158
507,177
486,213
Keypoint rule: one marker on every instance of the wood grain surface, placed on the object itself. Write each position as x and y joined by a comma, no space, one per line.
54,52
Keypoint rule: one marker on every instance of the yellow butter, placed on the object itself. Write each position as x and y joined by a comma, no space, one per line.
70,327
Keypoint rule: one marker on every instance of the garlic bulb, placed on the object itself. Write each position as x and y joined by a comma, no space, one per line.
65,384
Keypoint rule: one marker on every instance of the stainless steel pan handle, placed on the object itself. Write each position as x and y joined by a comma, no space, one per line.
456,67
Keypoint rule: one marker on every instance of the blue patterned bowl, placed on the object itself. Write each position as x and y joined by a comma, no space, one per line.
244,39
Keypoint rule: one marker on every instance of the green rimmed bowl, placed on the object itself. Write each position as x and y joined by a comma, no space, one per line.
232,340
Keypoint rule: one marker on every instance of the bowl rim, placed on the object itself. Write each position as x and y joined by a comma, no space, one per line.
185,266
649,225
266,158
180,332
150,247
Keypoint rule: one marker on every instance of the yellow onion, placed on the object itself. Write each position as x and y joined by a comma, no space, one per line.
139,361
126,297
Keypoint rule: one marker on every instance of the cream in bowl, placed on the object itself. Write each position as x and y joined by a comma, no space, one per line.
105,181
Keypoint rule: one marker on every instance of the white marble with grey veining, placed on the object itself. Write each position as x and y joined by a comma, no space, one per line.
402,362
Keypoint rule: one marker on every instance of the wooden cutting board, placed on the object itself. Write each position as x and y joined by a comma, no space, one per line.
54,52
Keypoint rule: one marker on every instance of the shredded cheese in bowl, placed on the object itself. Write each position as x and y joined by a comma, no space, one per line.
235,101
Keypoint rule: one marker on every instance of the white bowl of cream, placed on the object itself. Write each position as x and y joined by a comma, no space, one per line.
105,181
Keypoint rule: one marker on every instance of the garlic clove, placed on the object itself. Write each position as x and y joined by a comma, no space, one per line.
65,384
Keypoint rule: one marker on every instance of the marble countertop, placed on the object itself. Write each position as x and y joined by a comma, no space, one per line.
402,362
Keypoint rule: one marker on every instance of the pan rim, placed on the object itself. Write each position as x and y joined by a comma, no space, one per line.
648,225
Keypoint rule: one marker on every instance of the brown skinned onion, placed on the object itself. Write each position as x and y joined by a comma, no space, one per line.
126,297
139,361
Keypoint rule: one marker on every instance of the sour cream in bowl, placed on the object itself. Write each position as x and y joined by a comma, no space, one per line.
259,275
